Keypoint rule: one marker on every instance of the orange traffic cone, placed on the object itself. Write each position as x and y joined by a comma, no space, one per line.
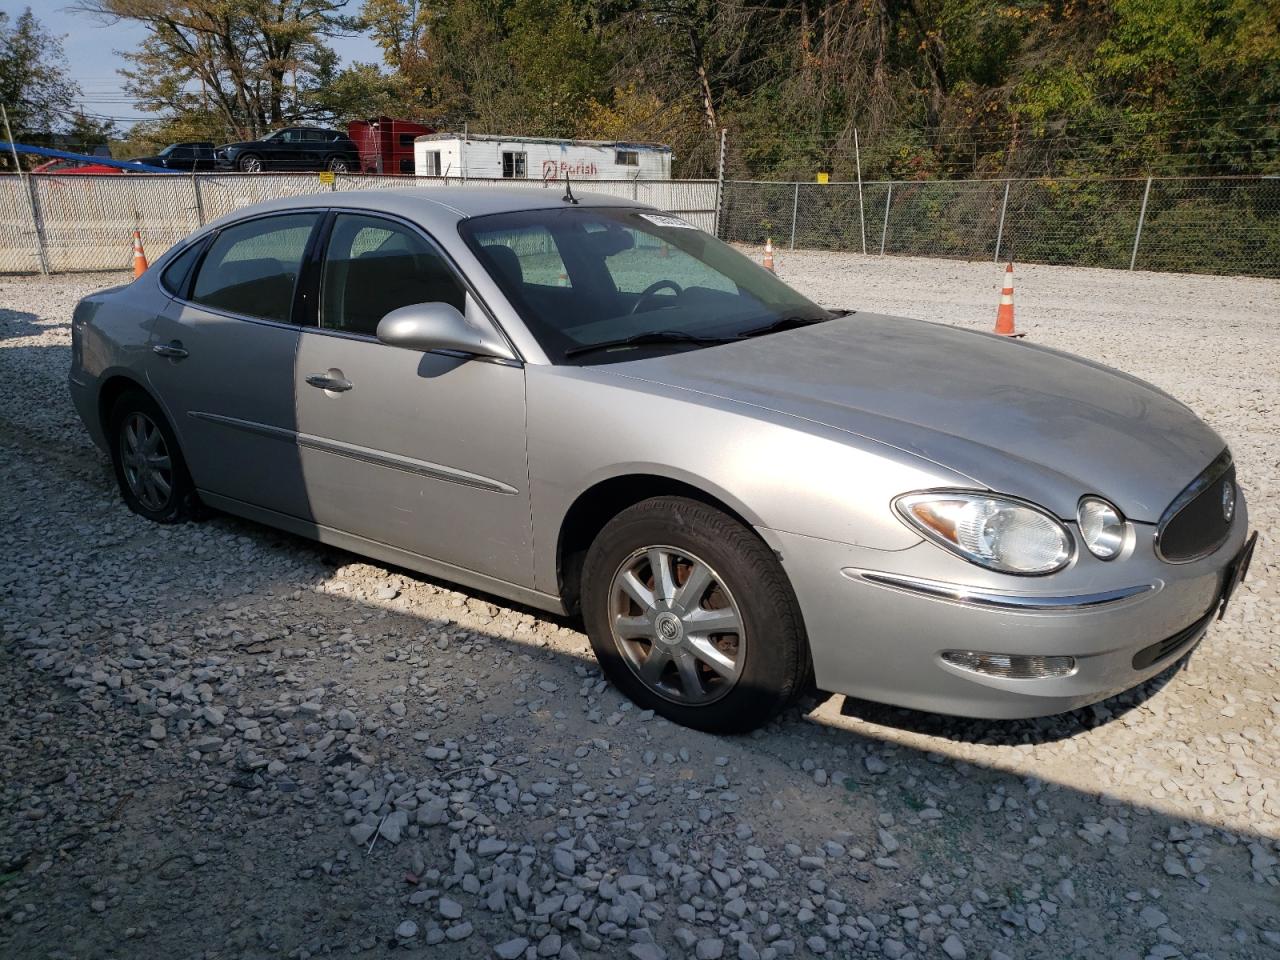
768,253
139,257
1004,315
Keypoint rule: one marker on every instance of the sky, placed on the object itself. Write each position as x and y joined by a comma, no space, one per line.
92,50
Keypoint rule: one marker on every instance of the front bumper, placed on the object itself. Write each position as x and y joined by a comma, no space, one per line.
879,621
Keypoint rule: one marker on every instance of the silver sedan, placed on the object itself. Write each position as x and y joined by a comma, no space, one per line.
591,407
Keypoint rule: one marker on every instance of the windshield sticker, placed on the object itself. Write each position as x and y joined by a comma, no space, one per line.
660,220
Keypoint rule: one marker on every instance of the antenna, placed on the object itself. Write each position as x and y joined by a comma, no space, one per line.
568,191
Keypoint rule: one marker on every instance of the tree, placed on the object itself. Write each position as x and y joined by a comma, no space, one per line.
231,58
334,96
397,27
34,87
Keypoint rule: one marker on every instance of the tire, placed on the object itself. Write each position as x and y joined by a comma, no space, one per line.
337,164
663,656
137,428
249,163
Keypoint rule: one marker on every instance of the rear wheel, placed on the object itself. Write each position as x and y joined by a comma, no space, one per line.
149,468
691,615
337,164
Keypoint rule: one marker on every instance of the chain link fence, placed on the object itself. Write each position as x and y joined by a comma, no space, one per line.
54,224
1188,225
1193,225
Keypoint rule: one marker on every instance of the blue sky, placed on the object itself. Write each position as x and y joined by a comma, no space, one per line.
92,52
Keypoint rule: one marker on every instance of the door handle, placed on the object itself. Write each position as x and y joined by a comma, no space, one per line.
173,350
325,381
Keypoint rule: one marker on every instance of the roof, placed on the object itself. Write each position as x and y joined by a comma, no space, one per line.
496,138
432,204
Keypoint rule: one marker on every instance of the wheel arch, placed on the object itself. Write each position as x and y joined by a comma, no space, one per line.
117,383
598,504
112,388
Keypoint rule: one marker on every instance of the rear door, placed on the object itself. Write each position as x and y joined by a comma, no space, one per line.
421,451
223,354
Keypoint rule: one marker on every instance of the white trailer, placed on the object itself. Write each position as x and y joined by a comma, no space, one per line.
535,158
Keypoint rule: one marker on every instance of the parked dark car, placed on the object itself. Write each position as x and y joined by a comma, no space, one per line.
191,155
293,148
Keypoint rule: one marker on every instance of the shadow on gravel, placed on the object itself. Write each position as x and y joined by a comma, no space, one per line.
1025,839
20,323
1039,730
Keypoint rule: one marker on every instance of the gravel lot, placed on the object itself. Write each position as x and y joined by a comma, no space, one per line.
217,740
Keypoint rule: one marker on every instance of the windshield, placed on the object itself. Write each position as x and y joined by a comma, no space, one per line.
585,276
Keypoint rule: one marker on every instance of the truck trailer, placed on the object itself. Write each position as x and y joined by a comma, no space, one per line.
537,158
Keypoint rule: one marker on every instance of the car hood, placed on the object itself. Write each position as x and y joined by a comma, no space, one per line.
1015,417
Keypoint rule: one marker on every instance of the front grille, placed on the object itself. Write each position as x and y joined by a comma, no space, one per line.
1170,645
1195,524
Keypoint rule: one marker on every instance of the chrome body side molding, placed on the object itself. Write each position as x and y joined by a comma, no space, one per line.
425,468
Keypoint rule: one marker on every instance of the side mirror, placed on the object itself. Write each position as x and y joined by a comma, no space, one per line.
439,326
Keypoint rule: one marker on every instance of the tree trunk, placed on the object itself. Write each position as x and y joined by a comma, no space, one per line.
704,85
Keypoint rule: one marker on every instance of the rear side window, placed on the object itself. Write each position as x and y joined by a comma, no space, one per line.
251,268
178,273
374,266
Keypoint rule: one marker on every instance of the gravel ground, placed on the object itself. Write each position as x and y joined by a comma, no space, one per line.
217,740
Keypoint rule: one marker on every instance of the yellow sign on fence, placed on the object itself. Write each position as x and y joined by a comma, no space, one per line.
824,178
326,177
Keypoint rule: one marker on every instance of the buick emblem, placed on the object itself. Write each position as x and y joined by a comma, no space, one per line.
1228,500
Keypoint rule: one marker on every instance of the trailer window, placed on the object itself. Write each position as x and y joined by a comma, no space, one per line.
627,158
513,165
431,163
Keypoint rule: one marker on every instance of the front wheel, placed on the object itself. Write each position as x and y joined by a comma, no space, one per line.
691,615
250,163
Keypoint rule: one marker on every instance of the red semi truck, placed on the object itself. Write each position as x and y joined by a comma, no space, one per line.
386,144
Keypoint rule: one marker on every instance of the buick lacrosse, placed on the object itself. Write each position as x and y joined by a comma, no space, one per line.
589,406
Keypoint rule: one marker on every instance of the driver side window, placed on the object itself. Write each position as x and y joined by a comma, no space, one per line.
635,269
374,266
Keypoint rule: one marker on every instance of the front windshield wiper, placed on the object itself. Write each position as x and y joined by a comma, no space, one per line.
655,336
789,323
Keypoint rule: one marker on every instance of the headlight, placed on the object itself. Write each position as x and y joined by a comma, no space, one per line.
993,532
1101,528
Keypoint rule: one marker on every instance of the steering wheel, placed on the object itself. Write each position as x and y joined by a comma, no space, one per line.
653,288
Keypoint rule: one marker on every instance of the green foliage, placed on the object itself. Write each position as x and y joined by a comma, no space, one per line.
33,83
934,88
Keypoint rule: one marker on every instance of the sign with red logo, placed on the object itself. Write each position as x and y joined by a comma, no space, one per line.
558,169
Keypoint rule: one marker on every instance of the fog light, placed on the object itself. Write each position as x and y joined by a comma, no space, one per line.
1011,666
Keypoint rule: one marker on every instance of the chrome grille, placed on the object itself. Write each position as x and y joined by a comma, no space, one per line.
1195,523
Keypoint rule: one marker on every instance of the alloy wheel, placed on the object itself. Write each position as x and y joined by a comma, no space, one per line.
677,625
148,467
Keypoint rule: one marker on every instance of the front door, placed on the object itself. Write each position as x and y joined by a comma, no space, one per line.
421,451
223,354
